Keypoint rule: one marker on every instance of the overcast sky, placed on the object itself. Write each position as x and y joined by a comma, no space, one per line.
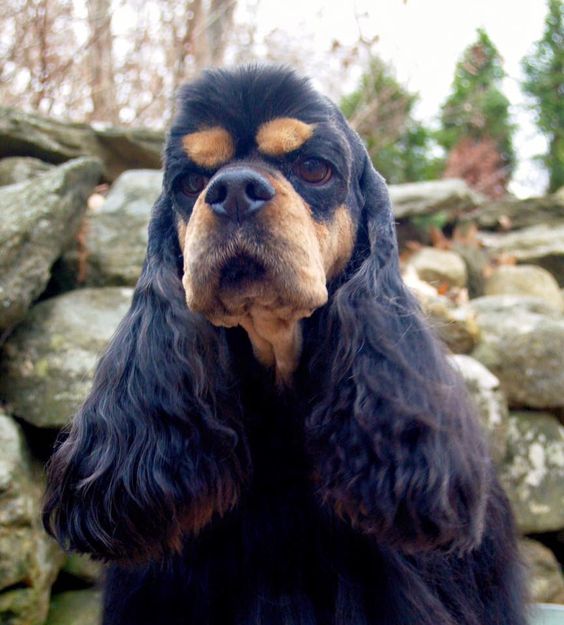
423,40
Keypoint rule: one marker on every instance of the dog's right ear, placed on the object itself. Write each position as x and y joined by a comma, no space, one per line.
158,447
398,451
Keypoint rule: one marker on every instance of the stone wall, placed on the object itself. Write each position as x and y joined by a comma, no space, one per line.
488,276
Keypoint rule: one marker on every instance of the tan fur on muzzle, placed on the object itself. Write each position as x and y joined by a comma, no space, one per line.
299,255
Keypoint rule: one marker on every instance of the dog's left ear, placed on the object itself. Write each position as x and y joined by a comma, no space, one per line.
158,447
397,450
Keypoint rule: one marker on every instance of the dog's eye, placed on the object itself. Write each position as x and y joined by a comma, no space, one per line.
193,184
313,170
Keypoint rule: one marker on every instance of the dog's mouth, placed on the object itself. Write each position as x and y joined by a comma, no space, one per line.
240,272
271,263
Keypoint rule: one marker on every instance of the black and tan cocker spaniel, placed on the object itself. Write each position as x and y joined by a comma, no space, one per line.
274,436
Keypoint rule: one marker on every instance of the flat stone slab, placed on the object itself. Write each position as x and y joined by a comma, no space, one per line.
77,607
119,149
542,245
489,401
451,196
29,559
522,343
115,233
513,214
37,221
47,365
533,471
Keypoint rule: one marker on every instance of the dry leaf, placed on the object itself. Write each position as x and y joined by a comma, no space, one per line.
438,239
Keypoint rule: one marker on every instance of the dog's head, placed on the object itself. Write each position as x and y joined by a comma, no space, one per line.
264,180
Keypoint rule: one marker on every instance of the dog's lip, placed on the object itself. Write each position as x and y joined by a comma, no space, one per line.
240,269
246,244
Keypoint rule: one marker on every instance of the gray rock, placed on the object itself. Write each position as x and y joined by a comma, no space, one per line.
26,134
546,581
115,236
20,169
455,325
533,471
47,364
523,348
130,148
538,245
503,305
490,402
29,559
477,262
83,567
452,197
512,214
38,219
527,280
439,267
77,607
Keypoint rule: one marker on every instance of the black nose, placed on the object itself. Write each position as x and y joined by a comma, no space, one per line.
238,193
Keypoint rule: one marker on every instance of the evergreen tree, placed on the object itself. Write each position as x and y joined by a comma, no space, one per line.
381,110
475,120
544,71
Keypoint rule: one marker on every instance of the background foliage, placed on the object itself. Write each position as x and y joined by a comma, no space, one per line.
68,59
544,70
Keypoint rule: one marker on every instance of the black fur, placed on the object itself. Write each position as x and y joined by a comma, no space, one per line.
362,496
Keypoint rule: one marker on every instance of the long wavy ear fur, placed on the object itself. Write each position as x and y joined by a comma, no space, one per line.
157,448
398,452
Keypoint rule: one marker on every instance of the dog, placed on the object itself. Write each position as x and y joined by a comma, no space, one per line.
274,436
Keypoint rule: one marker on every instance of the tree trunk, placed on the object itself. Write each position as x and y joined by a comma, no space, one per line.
102,80
220,24
198,45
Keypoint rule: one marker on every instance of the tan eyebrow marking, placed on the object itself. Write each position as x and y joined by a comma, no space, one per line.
283,135
209,147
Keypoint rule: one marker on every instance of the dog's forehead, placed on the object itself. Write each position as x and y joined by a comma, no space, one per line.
230,113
